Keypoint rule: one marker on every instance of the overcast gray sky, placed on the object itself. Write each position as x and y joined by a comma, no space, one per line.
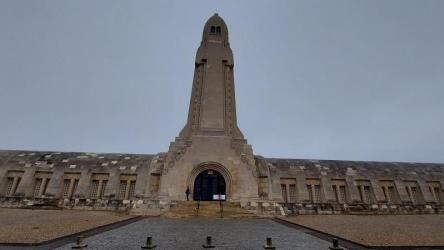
352,80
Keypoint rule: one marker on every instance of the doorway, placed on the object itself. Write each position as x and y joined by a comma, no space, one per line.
207,184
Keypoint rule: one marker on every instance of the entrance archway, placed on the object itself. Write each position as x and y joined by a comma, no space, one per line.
207,184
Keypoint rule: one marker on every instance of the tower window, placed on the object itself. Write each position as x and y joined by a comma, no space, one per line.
218,29
213,29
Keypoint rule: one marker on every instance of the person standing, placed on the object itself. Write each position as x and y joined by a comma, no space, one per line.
187,192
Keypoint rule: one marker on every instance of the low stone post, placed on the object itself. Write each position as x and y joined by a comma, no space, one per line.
79,243
208,243
269,244
149,243
335,245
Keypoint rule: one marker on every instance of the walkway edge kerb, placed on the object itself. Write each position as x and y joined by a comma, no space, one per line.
72,237
352,245
322,235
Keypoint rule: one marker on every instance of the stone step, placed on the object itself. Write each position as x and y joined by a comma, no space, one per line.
207,209
361,212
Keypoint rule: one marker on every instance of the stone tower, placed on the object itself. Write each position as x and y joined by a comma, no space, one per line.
212,106
211,140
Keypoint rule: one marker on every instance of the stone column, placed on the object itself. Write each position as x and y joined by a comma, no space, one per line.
312,198
434,195
128,185
386,193
285,196
142,182
25,187
274,184
82,190
327,189
71,187
112,188
352,189
337,193
400,187
55,184
379,195
42,186
99,189
14,186
301,187
425,191
3,180
441,193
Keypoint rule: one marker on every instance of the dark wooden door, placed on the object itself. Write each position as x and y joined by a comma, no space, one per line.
208,183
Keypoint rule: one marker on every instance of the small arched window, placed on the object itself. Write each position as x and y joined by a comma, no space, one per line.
218,29
213,29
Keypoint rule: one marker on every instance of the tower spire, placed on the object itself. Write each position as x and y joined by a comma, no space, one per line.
211,138
212,108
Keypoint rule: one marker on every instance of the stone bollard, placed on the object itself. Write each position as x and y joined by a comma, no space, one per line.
335,245
269,244
208,243
149,243
79,243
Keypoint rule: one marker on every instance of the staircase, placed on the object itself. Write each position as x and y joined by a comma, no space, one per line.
207,209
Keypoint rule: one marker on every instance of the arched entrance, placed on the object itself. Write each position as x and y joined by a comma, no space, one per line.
207,184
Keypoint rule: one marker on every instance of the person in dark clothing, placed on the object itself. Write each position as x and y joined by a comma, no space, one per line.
187,192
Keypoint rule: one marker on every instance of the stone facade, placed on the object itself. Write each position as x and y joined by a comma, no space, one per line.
211,144
126,181
326,186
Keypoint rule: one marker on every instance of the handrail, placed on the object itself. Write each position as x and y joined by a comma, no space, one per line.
221,208
198,207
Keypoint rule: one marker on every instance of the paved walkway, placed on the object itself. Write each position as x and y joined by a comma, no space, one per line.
191,233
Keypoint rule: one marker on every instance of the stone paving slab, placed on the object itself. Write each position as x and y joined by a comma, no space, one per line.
191,233
35,226
379,230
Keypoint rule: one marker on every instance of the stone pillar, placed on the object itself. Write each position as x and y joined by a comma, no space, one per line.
71,187
3,180
82,190
441,195
377,190
400,187
25,187
55,184
327,189
141,189
128,185
285,196
312,194
301,187
386,193
434,195
352,189
425,191
112,188
42,186
274,184
99,189
15,183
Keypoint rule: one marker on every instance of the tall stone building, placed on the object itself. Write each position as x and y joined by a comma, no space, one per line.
211,140
211,157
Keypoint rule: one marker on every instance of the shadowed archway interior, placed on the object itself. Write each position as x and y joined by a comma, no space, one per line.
207,184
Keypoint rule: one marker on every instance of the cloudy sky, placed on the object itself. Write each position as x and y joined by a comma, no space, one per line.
352,80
